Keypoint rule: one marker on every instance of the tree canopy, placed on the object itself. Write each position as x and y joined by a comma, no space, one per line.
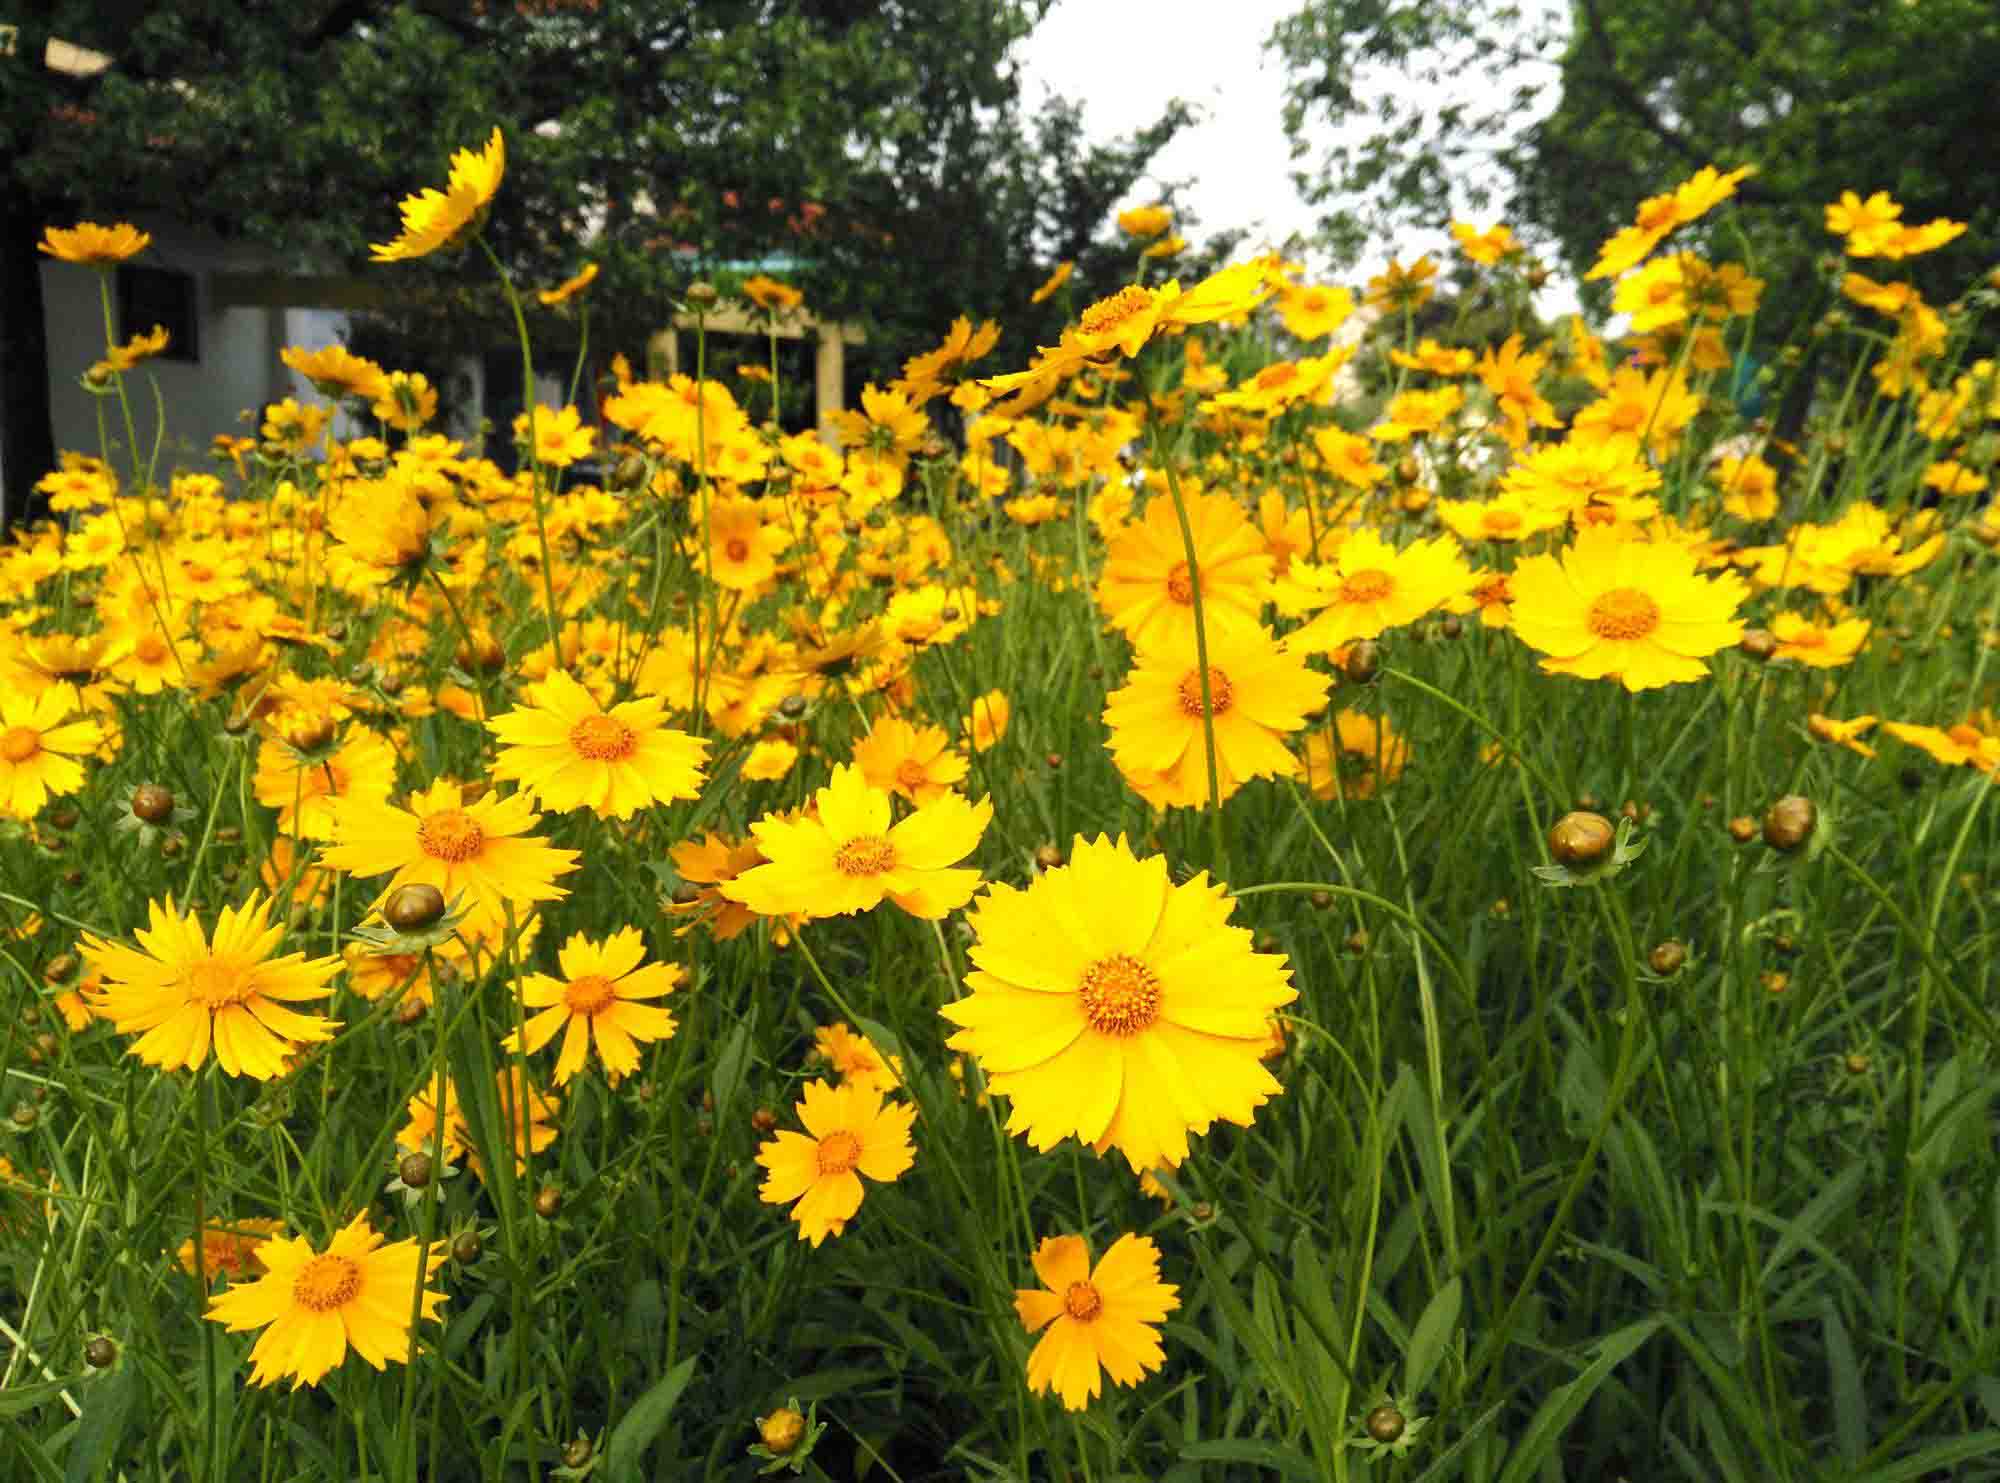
884,146
1821,96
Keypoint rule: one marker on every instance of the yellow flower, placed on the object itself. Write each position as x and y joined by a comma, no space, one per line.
560,437
1349,457
1370,587
1111,1005
1485,248
1629,610
1098,1319
569,288
916,763
441,840
596,998
315,1306
307,789
1866,224
1842,733
1655,295
848,1132
1257,691
40,747
1415,413
1402,289
435,219
1509,516
87,242
336,371
186,991
1570,476
1963,745
1054,281
406,400
571,753
1639,410
1313,310
855,1059
1145,221
850,857
987,722
1146,590
1362,755
769,294
1750,486
230,1248
1818,645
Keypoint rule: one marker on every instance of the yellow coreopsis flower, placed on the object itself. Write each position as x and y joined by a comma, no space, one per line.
1146,590
848,1132
569,752
94,245
1145,221
915,762
598,998
1485,248
1370,587
41,747
1099,1320
560,437
435,219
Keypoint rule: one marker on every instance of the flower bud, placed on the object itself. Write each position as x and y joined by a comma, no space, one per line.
782,1430
467,1248
1048,857
1757,643
414,1169
1667,958
1054,760
548,1202
1362,663
578,1453
1385,1424
792,707
702,294
763,1120
1743,829
101,1353
1581,838
1789,822
1856,1064
413,907
410,1010
60,969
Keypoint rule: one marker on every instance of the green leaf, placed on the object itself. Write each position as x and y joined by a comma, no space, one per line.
107,1404
726,1080
1285,1463
1850,1408
1944,1455
1432,1333
643,1422
1545,1433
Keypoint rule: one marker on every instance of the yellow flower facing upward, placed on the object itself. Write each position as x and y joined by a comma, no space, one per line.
41,747
1370,587
914,762
1313,311
314,1306
849,1132
855,1059
560,437
1865,224
1147,590
850,858
187,992
598,999
434,219
1627,610
1485,248
1099,1320
1113,1006
94,245
1145,221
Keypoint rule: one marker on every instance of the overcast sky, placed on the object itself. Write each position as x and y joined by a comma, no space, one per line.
1124,61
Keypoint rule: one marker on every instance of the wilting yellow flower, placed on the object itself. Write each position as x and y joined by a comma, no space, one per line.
186,991
1257,691
315,1306
89,243
597,998
850,857
41,747
1098,1320
848,1132
1634,611
435,219
1111,1005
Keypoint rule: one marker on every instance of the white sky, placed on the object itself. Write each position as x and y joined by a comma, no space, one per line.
1123,61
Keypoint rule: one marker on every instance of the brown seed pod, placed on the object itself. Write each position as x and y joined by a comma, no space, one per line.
1667,958
413,907
1048,857
763,1120
414,1169
1321,900
1054,760
548,1202
100,1353
1385,1424
1789,822
1581,838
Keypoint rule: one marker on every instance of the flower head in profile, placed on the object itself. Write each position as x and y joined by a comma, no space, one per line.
1054,281
187,991
571,753
1099,1320
42,747
770,294
316,1305
1112,1005
1634,611
569,288
599,997
434,219
94,245
1145,221
849,1132
850,857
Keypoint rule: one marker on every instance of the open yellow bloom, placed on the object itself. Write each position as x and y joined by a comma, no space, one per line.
1370,587
1628,610
596,998
1111,1005
1098,1319
571,753
1146,590
850,858
560,437
848,1133
89,243
315,1306
917,762
187,991
41,748
435,219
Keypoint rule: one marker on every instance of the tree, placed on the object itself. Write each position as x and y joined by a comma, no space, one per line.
648,135
1820,95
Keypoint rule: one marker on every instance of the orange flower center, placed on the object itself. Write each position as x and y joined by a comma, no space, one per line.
198,571
839,1152
1623,613
1628,416
216,983
451,835
1082,1302
1964,735
1371,585
737,550
869,854
1180,586
1121,995
1502,522
603,739
910,773
150,650
591,994
1808,638
19,743
326,1282
1107,316
1218,692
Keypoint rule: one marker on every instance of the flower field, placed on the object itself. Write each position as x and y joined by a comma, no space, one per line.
1261,892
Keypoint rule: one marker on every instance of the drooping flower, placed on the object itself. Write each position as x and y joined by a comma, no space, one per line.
94,245
849,1131
1258,690
434,219
1114,1006
850,857
1100,1320
315,1306
187,991
1635,611
596,999
41,748
571,753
